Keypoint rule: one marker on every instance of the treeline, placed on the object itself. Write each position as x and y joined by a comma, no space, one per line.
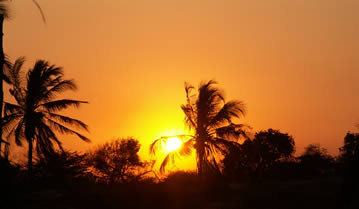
113,173
115,162
269,156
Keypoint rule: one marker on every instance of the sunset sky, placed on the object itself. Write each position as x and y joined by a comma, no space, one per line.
295,64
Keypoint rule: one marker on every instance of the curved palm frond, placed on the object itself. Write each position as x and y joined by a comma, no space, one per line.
186,147
45,136
8,121
7,66
39,80
223,145
58,86
170,158
4,11
19,132
62,104
13,72
14,77
188,109
189,116
230,110
154,146
11,108
68,120
164,163
158,143
40,10
233,131
184,150
64,130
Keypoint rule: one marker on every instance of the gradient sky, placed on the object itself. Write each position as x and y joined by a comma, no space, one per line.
293,62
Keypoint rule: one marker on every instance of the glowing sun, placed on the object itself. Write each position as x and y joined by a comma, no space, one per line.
173,144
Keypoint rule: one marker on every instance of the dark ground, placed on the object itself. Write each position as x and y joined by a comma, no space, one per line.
316,194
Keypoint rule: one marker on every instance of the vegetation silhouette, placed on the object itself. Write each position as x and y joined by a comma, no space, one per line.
117,161
350,147
4,14
61,168
211,119
315,161
34,117
253,158
349,158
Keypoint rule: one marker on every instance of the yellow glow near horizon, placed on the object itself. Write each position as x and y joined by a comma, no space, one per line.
173,144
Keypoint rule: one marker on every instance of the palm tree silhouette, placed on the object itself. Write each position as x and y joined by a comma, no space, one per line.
35,116
211,119
3,15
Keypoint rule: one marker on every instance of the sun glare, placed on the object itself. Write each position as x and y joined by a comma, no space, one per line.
173,144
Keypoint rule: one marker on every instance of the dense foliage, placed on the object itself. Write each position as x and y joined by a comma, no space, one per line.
117,161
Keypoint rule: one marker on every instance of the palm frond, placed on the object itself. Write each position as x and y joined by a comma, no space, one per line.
62,104
7,67
11,108
14,77
164,163
39,79
13,72
154,146
58,86
231,109
64,130
170,158
223,145
233,131
190,117
45,136
4,11
188,109
40,10
186,148
208,101
68,120
9,120
19,132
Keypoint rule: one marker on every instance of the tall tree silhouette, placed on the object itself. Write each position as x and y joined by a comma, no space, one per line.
210,117
35,116
3,16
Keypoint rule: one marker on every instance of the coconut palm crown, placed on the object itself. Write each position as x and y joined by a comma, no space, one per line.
35,115
210,118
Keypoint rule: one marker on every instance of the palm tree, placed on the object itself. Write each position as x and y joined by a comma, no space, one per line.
210,117
34,117
3,16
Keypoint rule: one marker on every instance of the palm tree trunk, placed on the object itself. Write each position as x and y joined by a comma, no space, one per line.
200,165
29,135
2,59
200,153
30,157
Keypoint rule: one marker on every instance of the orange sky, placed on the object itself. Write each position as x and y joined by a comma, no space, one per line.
294,63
